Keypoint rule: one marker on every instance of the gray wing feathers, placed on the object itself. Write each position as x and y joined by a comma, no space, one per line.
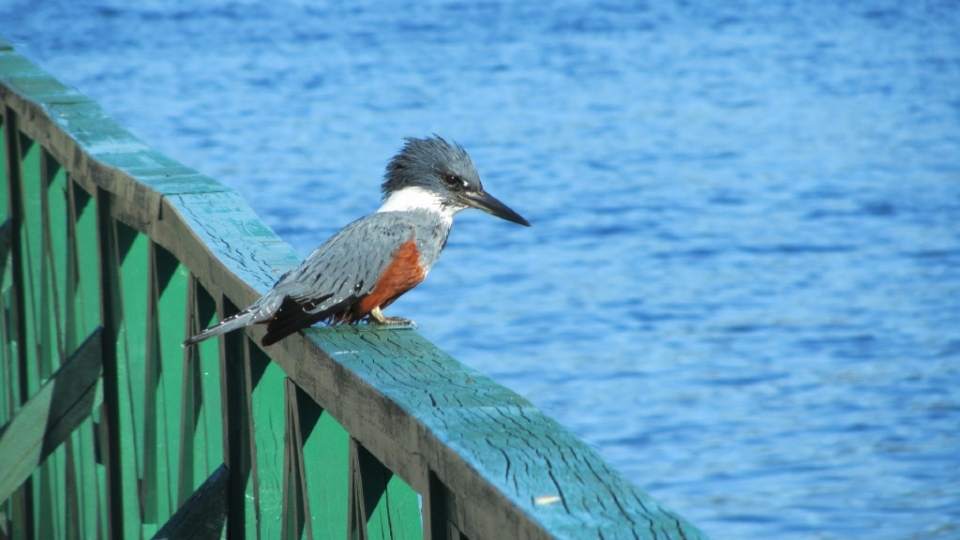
345,266
337,274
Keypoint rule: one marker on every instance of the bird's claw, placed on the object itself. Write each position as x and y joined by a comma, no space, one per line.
397,321
377,316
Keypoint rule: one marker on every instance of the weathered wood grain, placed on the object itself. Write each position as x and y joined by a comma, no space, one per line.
493,450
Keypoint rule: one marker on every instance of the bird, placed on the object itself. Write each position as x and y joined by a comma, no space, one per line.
371,262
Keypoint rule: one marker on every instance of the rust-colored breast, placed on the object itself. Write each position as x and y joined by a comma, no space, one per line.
403,274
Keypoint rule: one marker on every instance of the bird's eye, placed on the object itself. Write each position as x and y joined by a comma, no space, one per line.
453,180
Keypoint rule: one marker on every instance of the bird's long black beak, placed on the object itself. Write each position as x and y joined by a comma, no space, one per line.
486,202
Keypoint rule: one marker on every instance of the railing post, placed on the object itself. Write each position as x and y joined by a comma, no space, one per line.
110,318
436,507
24,520
237,443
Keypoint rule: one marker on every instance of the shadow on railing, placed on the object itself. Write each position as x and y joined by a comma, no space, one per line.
112,253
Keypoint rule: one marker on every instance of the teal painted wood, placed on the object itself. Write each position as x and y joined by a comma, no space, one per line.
55,514
9,376
55,244
4,173
201,442
481,427
56,290
488,464
131,312
7,368
326,448
40,316
238,447
164,385
267,414
202,516
36,250
83,316
296,507
38,366
19,507
49,417
381,504
84,267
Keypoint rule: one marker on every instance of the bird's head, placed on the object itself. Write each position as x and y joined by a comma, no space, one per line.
432,173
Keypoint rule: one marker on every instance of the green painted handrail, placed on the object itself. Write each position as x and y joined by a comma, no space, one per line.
338,432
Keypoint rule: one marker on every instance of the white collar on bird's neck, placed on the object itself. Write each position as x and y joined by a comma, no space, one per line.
417,198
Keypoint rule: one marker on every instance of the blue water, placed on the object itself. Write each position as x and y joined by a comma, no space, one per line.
742,283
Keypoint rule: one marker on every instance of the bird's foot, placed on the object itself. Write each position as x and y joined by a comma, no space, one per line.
378,317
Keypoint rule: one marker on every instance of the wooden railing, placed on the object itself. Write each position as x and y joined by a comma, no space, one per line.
111,254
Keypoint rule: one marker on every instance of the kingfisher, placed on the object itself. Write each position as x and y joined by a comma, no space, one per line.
373,261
